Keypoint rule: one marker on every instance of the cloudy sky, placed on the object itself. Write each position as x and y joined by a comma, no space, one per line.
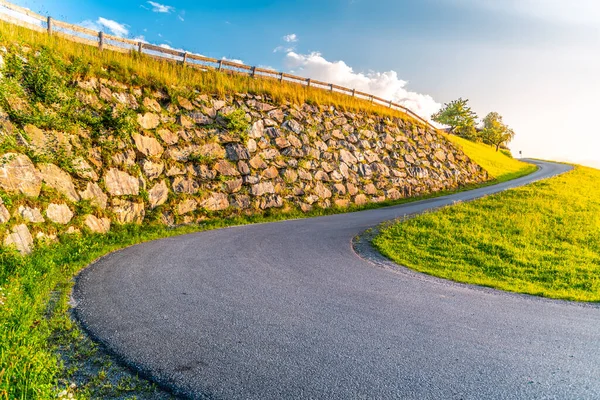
536,62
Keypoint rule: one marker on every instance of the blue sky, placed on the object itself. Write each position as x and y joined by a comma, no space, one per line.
536,62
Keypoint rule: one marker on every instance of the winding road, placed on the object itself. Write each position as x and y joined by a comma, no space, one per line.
287,310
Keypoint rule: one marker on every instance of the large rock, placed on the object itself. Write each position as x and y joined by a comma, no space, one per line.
30,214
58,179
184,185
151,104
257,130
236,151
270,201
47,142
168,137
151,169
119,183
97,225
19,175
158,194
200,118
95,195
128,212
257,163
347,157
59,213
262,188
83,169
148,120
215,202
293,126
233,185
21,238
185,103
322,191
187,206
146,145
225,168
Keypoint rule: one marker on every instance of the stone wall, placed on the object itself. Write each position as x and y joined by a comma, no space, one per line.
184,159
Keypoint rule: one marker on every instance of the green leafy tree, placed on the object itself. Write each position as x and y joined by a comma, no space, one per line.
495,132
459,117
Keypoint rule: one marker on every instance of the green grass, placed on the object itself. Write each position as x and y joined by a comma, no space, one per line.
542,239
498,165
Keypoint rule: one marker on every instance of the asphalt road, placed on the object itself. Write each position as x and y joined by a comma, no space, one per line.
288,311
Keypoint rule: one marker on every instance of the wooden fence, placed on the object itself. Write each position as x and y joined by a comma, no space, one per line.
109,42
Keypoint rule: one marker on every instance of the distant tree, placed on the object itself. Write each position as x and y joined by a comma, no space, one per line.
495,132
459,117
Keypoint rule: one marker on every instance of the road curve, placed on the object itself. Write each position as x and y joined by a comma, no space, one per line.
288,311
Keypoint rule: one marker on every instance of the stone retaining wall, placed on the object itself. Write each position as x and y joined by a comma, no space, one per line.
183,159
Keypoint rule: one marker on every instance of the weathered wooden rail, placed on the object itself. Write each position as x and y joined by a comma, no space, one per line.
105,41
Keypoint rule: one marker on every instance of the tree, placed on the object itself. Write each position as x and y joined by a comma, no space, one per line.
459,117
495,132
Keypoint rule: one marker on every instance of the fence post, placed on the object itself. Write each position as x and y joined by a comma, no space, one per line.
220,65
184,57
253,72
308,82
331,87
371,97
353,92
391,104
280,77
140,45
50,26
101,40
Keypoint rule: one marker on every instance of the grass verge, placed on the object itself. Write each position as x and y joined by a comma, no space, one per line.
542,239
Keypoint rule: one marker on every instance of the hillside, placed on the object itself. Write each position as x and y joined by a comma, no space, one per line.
498,165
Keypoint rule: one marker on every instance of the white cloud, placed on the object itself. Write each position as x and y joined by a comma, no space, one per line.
386,85
283,49
233,60
291,38
179,17
161,8
166,46
101,23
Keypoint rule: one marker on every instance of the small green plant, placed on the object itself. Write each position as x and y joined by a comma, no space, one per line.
198,158
121,122
41,79
236,123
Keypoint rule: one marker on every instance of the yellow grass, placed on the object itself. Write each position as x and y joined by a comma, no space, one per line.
142,70
494,162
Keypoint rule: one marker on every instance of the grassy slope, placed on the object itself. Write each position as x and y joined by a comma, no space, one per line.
542,239
495,163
